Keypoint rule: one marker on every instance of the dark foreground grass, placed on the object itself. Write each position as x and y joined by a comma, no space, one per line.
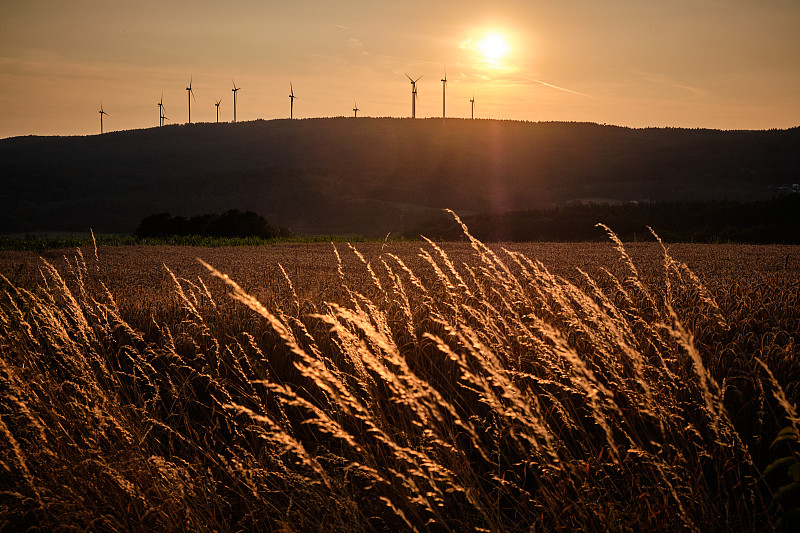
489,395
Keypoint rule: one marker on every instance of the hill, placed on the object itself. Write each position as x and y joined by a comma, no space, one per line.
375,175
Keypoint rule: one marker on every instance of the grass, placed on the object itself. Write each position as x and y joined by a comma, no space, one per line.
41,243
412,393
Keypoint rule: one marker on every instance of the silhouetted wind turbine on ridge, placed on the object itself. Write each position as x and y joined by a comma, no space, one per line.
235,88
161,111
190,95
355,109
444,94
291,101
413,95
101,116
217,104
472,102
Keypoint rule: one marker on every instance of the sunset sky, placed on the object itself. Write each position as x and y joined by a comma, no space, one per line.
730,64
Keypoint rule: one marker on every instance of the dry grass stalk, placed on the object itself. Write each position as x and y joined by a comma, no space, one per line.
487,394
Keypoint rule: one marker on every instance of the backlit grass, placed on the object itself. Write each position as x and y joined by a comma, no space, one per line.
413,393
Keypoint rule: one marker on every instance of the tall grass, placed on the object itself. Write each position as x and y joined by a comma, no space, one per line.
491,395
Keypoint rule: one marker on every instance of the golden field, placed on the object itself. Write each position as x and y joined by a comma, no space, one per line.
400,386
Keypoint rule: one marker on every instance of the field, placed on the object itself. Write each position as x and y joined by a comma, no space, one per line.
400,386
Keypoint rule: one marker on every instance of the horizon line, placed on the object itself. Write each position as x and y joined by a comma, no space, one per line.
389,117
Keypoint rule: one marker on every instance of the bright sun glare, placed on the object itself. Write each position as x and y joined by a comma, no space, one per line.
493,47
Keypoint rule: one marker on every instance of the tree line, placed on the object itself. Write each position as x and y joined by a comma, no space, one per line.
230,224
774,221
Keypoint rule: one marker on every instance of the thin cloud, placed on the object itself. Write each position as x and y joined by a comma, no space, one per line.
666,81
570,91
552,86
354,43
727,80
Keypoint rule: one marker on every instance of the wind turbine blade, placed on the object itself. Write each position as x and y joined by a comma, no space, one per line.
409,77
416,80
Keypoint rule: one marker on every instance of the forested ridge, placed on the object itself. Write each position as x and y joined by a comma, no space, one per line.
372,176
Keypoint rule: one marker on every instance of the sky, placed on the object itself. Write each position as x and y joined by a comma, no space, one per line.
726,64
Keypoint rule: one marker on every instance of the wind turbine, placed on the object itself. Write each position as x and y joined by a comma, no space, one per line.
291,101
217,104
355,109
473,105
101,116
444,94
161,110
235,88
190,95
413,95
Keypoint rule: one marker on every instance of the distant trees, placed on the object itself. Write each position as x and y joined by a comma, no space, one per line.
765,222
231,223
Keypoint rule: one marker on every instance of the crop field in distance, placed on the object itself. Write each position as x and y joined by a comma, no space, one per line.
401,387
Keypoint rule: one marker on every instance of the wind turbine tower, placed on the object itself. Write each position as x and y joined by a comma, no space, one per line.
413,95
161,111
472,102
235,89
291,101
217,104
355,109
444,94
101,116
190,95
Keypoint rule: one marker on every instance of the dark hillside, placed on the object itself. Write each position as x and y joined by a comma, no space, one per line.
372,176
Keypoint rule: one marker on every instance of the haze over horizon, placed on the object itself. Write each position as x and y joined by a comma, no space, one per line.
729,64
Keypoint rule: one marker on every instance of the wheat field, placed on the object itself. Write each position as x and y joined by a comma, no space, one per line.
400,387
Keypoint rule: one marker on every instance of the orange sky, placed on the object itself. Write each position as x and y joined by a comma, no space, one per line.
730,64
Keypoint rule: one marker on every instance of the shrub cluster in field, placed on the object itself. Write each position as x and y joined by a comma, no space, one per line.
489,396
230,224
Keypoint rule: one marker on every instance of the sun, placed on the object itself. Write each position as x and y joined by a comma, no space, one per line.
493,47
